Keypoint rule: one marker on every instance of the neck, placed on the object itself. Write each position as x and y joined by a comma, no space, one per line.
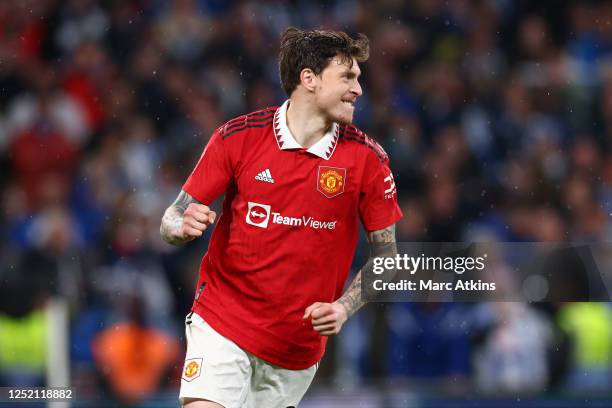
306,123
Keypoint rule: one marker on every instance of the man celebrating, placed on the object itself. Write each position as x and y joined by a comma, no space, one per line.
297,179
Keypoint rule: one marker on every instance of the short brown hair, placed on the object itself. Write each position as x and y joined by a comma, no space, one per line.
300,49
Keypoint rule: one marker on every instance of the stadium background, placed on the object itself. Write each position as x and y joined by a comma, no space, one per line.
497,116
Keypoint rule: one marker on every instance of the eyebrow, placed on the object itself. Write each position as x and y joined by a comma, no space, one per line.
351,73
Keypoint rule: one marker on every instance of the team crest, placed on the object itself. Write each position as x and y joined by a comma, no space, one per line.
193,369
331,181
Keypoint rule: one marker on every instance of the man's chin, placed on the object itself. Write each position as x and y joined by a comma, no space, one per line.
343,119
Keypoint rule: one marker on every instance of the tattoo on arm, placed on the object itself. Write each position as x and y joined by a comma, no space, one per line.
351,299
183,200
172,221
383,236
382,244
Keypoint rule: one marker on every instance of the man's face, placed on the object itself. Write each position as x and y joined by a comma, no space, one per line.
337,90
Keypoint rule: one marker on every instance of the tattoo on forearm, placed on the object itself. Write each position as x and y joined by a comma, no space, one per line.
172,221
351,299
382,243
183,200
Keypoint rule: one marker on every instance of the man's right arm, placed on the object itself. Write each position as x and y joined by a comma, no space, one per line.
185,220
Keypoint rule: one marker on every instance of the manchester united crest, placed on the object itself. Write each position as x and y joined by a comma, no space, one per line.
192,369
331,181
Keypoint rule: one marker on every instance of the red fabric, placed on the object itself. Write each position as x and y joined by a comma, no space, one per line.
36,156
81,88
259,280
31,39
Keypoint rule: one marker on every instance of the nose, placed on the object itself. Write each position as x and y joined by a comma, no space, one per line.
356,89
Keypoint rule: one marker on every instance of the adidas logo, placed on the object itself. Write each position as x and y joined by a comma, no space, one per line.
265,176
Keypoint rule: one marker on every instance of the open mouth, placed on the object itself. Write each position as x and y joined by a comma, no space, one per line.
350,103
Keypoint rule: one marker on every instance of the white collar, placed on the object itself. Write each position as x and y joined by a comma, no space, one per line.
324,148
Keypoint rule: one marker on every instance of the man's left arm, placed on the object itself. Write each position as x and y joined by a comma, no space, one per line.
328,318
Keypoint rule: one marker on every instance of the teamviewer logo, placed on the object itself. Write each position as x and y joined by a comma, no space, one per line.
258,215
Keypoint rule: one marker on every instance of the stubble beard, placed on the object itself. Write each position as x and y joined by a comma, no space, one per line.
337,114
342,119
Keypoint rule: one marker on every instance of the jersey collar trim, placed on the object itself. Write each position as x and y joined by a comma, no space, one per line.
324,148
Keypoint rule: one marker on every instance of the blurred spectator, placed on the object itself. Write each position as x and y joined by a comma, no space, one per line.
80,21
183,30
512,357
428,341
23,349
45,133
86,80
588,325
134,358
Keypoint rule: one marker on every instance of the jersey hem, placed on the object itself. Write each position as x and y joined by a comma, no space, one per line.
251,346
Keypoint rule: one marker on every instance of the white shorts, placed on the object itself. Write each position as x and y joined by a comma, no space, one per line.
216,369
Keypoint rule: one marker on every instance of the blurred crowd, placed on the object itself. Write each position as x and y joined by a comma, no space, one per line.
496,114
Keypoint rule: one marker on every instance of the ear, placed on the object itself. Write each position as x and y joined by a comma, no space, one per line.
308,79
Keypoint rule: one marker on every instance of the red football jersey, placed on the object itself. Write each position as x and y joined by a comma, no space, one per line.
288,229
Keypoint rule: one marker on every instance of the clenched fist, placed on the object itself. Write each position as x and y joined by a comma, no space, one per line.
196,218
326,318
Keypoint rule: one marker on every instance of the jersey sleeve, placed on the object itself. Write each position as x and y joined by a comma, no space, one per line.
212,174
378,206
